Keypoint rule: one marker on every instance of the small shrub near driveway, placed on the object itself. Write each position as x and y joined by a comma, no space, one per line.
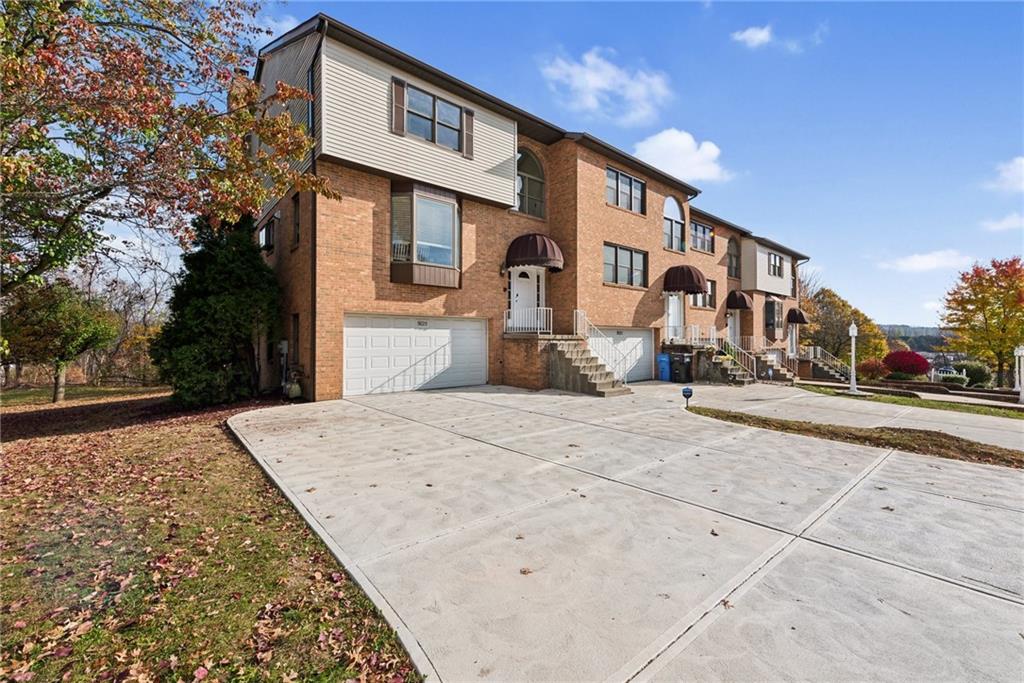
978,374
908,362
953,379
872,368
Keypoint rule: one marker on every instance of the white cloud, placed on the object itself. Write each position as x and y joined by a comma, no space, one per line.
754,37
1009,176
1012,221
595,85
677,152
931,305
933,260
278,26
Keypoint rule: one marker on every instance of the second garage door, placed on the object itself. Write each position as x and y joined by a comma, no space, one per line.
637,345
396,353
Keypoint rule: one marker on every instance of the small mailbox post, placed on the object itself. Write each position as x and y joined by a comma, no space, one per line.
687,393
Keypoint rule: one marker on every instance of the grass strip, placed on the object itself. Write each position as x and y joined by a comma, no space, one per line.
971,408
923,441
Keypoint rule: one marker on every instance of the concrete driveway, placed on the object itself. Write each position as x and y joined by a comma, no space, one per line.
515,536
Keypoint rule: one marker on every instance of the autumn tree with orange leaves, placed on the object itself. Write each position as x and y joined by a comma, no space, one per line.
117,112
985,313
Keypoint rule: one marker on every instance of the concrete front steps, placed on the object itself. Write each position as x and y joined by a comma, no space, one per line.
828,371
780,373
575,368
733,372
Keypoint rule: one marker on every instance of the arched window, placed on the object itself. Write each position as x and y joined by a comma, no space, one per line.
529,184
733,255
673,224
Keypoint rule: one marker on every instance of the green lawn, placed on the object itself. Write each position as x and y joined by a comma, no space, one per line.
921,441
44,395
920,402
141,542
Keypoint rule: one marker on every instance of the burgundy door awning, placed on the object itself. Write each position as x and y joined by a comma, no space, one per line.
534,250
739,301
796,317
685,279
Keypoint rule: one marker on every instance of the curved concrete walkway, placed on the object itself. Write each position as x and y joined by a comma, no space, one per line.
521,536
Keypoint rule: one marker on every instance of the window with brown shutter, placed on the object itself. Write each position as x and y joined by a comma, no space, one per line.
467,137
397,106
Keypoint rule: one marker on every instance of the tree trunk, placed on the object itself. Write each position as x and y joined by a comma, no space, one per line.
59,375
1000,373
18,368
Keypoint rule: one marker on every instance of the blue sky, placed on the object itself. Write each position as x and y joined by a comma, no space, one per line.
885,140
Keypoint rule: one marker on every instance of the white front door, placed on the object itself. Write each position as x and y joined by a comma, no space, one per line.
792,340
673,316
625,351
386,353
525,297
732,322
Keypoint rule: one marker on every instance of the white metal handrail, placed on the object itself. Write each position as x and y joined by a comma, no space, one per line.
745,360
816,353
528,320
582,327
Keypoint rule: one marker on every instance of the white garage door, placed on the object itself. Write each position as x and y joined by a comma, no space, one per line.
392,353
636,345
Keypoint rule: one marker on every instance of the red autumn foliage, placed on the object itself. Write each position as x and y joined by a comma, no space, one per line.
909,362
872,368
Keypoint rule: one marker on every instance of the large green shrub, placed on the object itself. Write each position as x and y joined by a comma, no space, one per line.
905,377
226,298
978,374
954,379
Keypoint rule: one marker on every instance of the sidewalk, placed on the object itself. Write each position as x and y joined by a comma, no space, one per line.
951,398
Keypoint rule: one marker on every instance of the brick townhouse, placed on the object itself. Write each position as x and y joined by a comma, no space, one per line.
476,243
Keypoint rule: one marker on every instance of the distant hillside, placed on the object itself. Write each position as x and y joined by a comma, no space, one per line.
917,338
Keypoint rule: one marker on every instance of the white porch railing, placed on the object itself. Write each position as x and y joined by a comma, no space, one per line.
618,364
528,320
691,334
820,355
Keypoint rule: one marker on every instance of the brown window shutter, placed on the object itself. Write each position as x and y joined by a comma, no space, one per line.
467,133
397,106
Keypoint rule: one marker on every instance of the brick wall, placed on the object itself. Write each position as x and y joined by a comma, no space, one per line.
525,363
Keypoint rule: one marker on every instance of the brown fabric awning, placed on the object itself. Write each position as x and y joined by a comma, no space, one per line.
686,279
739,301
797,317
534,250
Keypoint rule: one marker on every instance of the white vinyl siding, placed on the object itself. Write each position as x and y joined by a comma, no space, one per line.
754,271
291,65
385,354
356,115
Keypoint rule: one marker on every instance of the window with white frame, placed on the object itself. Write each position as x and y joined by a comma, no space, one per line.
673,225
265,236
774,264
625,191
773,317
702,237
705,299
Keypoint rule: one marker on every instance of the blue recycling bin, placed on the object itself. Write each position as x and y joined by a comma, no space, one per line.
664,367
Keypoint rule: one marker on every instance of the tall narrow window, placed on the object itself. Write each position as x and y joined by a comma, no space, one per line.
673,224
733,255
295,338
774,264
529,184
296,218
